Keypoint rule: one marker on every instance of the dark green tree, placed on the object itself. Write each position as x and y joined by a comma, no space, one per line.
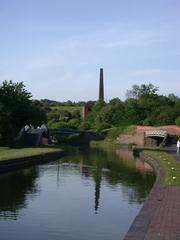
16,110
91,119
178,121
142,90
133,112
112,114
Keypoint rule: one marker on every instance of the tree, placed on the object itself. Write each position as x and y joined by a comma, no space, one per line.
133,112
173,97
16,110
91,119
112,113
142,90
178,121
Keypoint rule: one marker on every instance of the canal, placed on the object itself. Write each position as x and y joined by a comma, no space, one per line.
94,194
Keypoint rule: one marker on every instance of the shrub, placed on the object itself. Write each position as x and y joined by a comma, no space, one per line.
84,126
113,133
74,123
178,121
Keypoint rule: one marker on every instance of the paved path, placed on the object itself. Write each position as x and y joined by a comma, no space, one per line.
159,219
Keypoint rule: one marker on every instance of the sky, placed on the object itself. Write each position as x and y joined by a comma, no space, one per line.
56,47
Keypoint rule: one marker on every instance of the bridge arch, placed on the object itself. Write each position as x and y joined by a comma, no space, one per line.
155,137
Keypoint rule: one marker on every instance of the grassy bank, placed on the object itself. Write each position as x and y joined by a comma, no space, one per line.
67,108
11,153
170,165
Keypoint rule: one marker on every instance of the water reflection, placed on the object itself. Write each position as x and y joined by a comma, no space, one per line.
127,156
94,194
117,166
14,186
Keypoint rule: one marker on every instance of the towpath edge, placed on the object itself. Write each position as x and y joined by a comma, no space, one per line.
21,162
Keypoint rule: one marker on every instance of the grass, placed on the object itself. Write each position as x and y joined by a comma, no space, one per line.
11,153
170,165
112,134
131,130
67,108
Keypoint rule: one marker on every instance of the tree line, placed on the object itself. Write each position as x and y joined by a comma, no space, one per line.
143,106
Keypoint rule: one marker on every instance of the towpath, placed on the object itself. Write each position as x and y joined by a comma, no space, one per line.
159,218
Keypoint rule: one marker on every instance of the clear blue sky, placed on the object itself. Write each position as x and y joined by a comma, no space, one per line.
56,47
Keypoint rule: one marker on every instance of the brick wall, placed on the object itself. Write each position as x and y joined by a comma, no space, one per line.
138,139
171,129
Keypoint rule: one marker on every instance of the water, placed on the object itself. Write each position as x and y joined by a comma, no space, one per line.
94,194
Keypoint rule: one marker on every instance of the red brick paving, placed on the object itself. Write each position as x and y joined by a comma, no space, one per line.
159,218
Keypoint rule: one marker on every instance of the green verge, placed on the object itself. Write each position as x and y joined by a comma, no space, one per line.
170,165
12,153
66,108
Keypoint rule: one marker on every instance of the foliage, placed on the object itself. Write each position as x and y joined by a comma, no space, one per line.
57,104
133,112
84,126
57,124
16,110
74,123
178,121
132,129
111,114
142,107
141,91
92,118
113,133
148,108
64,116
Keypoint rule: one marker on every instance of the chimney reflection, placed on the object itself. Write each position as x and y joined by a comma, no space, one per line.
84,170
97,178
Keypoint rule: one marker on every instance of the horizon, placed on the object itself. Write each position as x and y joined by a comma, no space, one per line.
106,101
57,48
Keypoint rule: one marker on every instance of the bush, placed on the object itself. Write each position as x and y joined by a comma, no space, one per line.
178,121
84,126
131,130
113,133
74,123
101,126
57,124
146,122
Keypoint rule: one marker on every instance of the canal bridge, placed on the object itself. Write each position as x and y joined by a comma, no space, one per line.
155,137
88,135
65,131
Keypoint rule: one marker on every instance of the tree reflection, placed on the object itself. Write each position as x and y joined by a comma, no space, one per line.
14,187
113,166
135,176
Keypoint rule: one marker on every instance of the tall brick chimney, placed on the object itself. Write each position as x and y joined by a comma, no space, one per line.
101,85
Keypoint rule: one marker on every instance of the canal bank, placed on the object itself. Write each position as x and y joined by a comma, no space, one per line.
14,163
159,217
